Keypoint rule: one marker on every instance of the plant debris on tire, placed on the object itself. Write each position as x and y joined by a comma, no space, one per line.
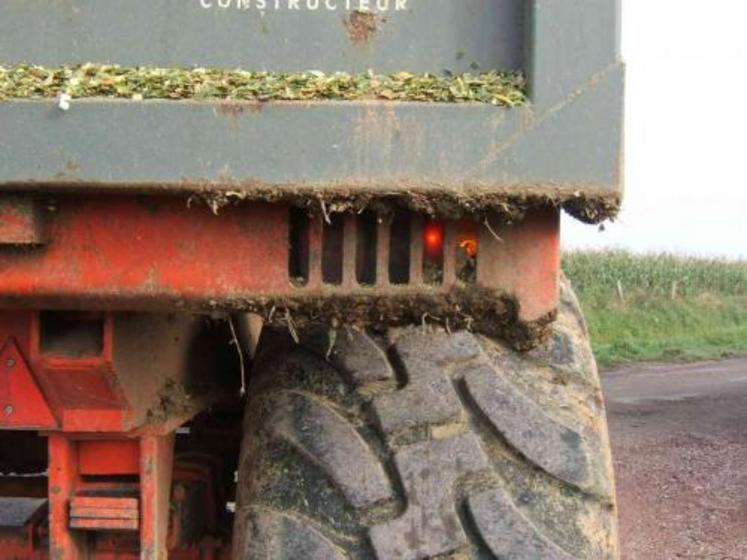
418,443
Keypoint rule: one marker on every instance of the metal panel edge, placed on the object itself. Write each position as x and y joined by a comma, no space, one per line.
244,146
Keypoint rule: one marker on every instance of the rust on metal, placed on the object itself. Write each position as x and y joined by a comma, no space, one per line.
361,26
21,221
234,110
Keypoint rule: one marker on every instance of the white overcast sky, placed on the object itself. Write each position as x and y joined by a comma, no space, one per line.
686,146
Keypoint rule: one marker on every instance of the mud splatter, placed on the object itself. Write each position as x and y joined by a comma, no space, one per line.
361,26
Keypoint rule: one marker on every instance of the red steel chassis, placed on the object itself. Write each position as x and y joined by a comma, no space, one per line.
111,470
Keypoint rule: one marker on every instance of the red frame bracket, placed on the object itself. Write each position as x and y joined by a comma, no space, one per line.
22,404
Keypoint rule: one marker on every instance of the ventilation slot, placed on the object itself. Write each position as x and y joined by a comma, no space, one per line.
366,248
399,248
298,257
466,252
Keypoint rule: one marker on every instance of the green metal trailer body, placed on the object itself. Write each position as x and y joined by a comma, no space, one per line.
566,144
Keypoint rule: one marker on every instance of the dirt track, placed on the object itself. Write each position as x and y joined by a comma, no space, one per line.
679,437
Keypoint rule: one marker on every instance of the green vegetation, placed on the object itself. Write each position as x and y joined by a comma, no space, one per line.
92,80
660,307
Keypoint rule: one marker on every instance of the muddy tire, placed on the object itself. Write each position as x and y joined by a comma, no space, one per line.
423,444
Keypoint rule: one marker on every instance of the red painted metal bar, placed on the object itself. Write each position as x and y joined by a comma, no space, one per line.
156,466
129,252
64,544
125,252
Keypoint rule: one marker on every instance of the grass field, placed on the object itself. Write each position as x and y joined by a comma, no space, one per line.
660,307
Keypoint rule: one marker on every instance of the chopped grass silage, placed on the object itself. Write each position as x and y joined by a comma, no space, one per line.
111,81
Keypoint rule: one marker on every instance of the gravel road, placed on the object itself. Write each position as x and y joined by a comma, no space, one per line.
679,439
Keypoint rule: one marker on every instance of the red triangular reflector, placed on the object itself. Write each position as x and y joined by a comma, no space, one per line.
22,404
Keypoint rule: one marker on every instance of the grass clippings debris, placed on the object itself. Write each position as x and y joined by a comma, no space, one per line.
111,81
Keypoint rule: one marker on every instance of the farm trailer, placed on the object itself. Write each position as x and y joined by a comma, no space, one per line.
367,274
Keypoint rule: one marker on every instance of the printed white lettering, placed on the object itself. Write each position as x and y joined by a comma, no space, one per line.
380,6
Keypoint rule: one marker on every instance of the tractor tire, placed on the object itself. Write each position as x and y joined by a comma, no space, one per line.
419,443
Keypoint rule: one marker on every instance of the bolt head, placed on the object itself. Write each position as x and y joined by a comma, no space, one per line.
10,362
8,410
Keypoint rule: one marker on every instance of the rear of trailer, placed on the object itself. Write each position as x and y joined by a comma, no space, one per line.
337,219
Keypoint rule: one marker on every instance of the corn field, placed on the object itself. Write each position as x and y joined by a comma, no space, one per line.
600,275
